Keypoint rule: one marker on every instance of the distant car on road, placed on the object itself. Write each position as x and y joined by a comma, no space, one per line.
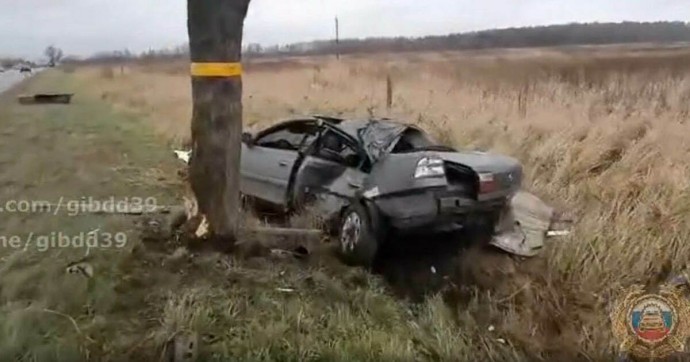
25,69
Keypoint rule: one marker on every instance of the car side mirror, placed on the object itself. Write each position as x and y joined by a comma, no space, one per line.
247,138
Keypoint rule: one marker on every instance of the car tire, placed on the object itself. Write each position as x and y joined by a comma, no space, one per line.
357,241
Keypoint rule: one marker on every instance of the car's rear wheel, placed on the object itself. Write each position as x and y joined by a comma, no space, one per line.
357,242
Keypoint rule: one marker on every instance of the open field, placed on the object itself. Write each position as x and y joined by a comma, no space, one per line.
602,133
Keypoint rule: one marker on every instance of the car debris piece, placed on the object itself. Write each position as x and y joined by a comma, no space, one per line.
525,224
183,155
202,230
81,268
370,178
558,233
46,98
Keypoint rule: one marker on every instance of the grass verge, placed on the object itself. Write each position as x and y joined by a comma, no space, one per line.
600,131
139,299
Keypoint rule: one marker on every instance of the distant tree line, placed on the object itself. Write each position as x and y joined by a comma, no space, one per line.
7,63
536,36
118,56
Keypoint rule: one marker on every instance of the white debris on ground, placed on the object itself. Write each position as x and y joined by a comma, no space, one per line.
183,155
552,233
202,230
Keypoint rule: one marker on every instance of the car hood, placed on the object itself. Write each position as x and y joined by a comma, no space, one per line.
481,161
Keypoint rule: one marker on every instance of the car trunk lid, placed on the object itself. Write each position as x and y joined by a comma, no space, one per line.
496,175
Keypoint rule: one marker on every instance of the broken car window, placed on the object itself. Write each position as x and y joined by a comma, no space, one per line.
411,140
416,140
334,147
288,138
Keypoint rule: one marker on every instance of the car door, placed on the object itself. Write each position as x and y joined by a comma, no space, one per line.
332,167
267,162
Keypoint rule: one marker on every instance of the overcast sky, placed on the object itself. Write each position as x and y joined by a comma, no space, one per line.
83,27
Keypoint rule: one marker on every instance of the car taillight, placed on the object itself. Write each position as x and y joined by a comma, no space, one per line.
430,167
487,183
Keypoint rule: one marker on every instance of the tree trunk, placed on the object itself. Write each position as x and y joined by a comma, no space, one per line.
215,44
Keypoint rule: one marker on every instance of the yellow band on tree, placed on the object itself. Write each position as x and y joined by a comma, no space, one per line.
216,69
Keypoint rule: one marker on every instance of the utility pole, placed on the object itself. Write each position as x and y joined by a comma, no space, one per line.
337,39
215,45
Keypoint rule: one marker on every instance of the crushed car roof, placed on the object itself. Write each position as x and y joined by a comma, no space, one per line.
377,136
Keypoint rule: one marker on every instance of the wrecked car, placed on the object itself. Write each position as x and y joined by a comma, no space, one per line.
374,178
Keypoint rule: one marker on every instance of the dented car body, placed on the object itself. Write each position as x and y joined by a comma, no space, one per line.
371,179
404,180
406,177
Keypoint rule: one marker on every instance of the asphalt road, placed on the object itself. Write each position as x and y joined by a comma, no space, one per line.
9,78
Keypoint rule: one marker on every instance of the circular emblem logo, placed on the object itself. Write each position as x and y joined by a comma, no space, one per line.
651,325
652,319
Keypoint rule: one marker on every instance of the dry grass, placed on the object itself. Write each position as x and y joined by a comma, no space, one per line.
603,132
